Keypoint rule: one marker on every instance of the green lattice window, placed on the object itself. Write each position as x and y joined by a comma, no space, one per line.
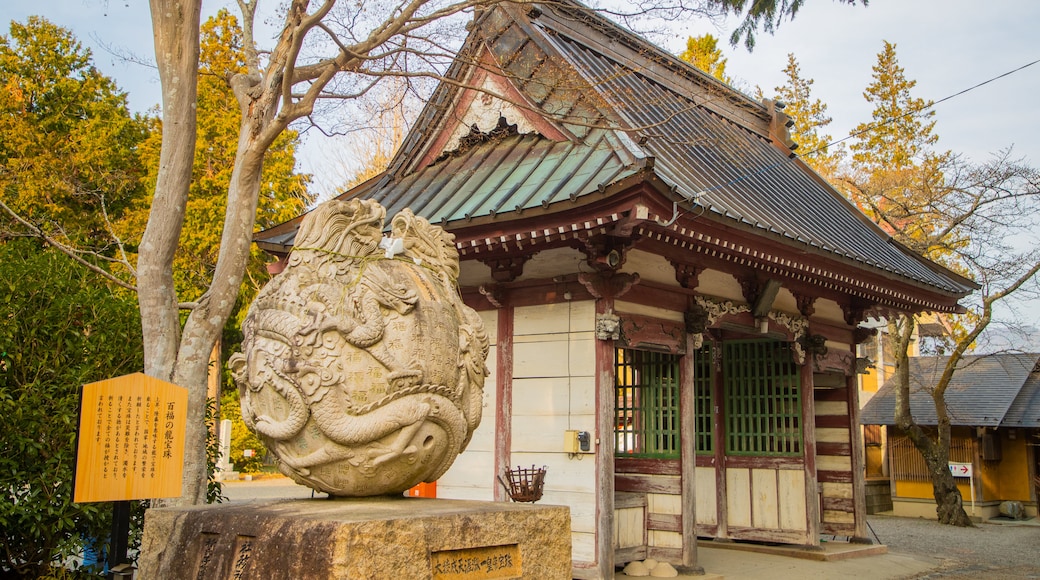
763,399
704,388
646,387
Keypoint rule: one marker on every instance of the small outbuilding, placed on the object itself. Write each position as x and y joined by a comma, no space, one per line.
672,296
994,406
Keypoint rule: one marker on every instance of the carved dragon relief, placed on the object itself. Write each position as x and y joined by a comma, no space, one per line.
361,368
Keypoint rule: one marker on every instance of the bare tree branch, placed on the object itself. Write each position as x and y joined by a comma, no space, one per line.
67,250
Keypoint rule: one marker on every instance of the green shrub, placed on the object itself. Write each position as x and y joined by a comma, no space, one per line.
61,327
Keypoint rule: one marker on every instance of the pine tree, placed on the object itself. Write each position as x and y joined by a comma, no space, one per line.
901,130
704,53
810,117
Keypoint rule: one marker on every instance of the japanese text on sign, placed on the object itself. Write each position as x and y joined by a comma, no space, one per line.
131,439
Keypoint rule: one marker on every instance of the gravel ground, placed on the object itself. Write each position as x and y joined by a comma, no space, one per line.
985,551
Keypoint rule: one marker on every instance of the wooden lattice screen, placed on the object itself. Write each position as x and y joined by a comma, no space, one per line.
704,387
907,464
763,399
647,404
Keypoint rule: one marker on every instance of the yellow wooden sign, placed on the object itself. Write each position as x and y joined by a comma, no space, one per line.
131,439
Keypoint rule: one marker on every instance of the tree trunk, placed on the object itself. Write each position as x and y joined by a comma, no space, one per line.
175,27
949,506
206,322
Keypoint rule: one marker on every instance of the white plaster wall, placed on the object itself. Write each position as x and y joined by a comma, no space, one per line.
650,266
720,285
554,391
472,476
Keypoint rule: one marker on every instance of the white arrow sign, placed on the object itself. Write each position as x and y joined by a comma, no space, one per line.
960,469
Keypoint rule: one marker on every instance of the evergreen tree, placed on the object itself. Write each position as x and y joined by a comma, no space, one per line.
901,130
68,143
810,117
704,53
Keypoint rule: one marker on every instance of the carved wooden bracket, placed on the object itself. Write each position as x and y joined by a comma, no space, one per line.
638,215
652,334
705,312
750,287
806,304
687,275
798,327
506,269
815,345
608,326
855,312
608,284
606,253
839,361
697,319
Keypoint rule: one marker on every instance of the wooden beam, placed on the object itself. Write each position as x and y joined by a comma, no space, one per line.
688,437
766,297
859,484
647,466
639,483
812,497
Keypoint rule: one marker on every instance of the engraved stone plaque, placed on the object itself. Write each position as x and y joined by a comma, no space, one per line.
477,563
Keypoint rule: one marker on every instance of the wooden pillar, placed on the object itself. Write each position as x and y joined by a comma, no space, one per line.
605,286
688,450
605,424
504,400
812,486
859,484
719,425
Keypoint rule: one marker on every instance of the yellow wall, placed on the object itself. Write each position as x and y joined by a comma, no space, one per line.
874,458
1008,479
1003,480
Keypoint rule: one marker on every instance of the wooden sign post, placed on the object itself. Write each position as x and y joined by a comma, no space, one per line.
131,446
965,470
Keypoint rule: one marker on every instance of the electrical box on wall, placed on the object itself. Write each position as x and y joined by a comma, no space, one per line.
577,442
570,441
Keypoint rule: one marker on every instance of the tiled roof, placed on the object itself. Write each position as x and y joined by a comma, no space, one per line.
707,143
1025,409
507,175
986,391
742,176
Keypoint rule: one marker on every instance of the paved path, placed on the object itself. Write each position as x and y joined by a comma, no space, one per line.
985,551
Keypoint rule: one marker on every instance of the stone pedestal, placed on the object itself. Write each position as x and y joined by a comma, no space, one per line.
367,538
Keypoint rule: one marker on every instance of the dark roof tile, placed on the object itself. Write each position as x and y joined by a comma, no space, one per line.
982,393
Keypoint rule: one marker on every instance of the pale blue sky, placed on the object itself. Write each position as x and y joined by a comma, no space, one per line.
946,46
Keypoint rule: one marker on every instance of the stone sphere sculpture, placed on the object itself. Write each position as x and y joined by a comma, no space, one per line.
361,368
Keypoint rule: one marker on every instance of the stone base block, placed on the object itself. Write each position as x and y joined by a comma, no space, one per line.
368,538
